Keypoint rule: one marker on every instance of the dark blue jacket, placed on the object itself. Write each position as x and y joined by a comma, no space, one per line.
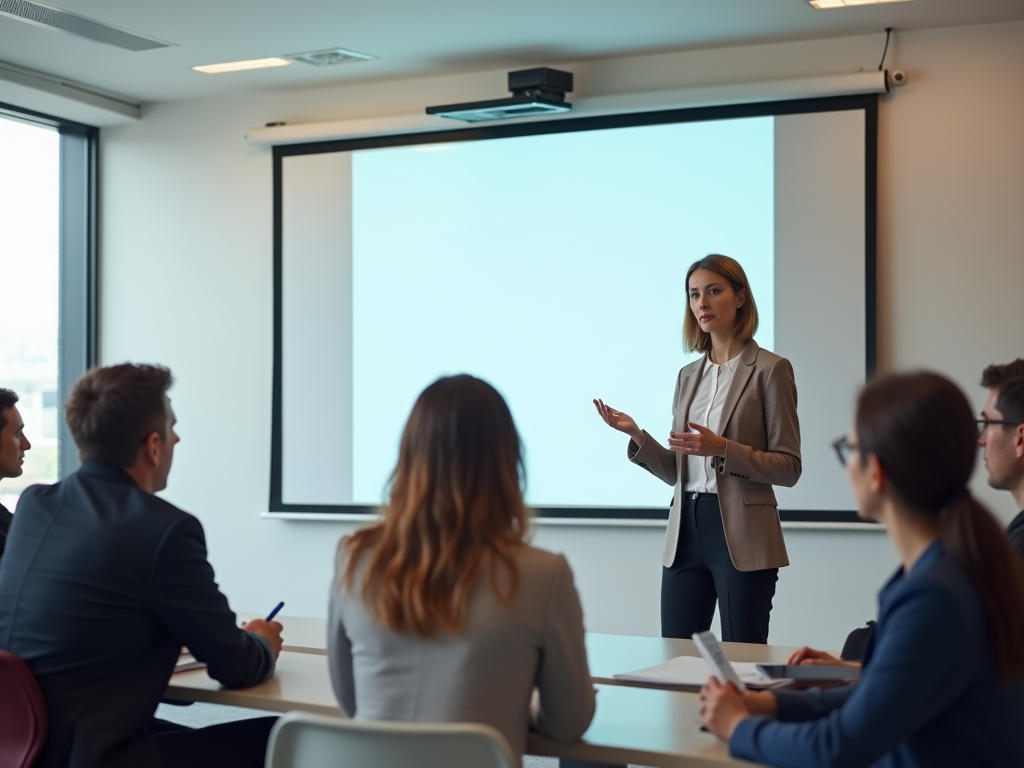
5,527
1016,533
928,696
101,586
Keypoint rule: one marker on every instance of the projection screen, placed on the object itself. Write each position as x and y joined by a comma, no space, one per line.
548,258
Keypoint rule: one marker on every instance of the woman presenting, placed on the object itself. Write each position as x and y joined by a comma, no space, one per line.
735,434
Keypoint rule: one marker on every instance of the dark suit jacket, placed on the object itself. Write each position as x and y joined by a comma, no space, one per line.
1016,533
928,695
5,526
101,586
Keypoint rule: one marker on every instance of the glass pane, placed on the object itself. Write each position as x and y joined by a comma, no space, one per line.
30,292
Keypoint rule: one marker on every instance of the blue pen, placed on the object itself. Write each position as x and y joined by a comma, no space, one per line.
273,613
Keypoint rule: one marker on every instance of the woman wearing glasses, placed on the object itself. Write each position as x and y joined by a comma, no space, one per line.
735,434
943,677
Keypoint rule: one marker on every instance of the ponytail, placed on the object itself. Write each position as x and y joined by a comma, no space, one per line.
974,540
921,428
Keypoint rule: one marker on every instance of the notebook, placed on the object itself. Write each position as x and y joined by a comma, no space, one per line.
691,672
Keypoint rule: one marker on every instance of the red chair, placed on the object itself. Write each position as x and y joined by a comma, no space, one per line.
22,712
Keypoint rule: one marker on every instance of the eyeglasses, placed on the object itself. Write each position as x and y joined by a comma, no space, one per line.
983,424
843,448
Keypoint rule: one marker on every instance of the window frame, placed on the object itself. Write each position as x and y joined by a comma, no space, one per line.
78,348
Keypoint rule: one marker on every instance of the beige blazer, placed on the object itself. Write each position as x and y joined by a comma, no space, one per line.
486,673
762,432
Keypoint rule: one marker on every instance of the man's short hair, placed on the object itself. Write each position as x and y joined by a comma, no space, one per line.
8,397
996,374
1010,400
111,410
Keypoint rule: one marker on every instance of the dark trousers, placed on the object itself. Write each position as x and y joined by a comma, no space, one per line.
238,744
703,573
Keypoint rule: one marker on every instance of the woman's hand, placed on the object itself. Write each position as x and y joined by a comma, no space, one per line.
701,442
619,420
809,656
723,707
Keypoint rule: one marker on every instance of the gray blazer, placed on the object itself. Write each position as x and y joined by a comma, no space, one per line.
762,431
487,673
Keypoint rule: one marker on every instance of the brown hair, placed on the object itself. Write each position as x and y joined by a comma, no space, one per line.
1008,381
921,428
696,340
8,397
455,509
111,410
996,374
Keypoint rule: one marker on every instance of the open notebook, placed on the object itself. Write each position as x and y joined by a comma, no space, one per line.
691,672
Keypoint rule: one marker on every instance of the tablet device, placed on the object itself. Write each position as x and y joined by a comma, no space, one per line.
713,656
809,671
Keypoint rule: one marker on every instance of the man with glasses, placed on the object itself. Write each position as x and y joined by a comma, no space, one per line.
1001,436
13,445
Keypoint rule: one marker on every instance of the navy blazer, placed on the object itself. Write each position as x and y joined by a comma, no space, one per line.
928,696
1016,533
101,586
5,527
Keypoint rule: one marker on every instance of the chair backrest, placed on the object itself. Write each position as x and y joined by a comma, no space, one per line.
22,713
299,740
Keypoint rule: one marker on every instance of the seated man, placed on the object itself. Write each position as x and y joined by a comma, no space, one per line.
1001,437
104,582
13,445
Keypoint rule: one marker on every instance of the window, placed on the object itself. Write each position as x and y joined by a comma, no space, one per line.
47,328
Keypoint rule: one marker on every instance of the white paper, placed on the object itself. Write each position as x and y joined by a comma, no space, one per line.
693,672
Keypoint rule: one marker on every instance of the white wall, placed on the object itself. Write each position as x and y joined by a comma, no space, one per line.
186,281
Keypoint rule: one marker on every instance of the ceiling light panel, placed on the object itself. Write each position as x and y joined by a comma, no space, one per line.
238,66
329,57
82,26
844,3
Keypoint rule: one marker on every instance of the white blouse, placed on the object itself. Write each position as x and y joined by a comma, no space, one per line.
706,410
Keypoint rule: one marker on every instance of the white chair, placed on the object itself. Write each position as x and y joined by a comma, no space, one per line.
300,740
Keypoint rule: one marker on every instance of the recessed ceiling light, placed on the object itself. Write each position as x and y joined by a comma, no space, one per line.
329,57
844,3
237,66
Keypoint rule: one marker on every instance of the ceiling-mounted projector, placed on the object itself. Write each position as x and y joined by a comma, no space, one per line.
539,91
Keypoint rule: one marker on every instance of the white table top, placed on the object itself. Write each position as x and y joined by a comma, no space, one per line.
607,654
633,724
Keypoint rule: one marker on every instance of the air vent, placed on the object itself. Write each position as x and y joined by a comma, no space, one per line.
327,58
72,23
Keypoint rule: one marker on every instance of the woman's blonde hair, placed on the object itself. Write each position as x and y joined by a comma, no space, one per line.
696,340
455,510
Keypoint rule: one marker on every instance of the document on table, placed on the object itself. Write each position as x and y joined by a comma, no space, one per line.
691,672
187,661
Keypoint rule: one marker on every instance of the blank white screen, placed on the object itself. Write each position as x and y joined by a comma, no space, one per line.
552,266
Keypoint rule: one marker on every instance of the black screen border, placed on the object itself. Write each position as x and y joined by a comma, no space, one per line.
868,103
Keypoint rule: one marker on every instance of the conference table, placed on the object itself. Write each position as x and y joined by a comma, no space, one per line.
640,725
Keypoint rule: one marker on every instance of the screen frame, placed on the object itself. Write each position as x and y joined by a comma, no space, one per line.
868,103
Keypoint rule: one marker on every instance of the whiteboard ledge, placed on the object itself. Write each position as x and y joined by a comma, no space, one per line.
588,106
578,522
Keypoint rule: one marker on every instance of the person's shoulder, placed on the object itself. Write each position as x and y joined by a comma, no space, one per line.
766,359
939,587
1015,530
541,565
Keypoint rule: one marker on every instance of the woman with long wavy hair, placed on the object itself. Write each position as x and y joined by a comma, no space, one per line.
943,676
441,611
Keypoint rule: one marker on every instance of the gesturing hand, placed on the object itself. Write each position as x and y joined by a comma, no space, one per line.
701,442
619,420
